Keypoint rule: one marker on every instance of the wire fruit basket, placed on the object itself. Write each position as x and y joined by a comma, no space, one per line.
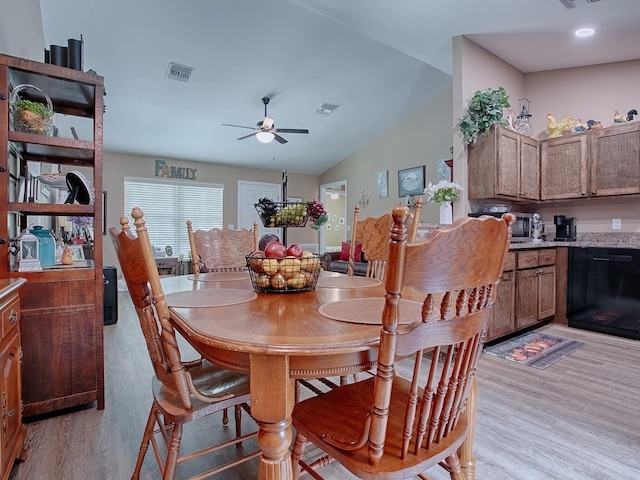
30,116
282,214
284,275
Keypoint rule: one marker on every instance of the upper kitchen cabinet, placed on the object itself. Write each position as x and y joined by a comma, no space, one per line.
504,165
615,160
598,163
563,167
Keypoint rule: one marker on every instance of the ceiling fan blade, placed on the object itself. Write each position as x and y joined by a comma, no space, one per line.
239,126
247,136
291,130
278,138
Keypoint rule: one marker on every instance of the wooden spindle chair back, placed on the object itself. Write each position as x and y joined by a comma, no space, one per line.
182,391
221,249
395,427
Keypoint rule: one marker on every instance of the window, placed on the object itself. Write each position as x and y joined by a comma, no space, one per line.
167,205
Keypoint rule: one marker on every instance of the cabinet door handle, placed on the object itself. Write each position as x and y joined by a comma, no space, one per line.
13,316
10,413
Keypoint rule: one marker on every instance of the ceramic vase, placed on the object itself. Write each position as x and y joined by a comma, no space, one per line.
446,213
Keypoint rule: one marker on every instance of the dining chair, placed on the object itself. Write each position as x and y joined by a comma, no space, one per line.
394,427
182,391
373,234
221,249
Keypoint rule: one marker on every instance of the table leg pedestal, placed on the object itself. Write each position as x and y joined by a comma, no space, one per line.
272,401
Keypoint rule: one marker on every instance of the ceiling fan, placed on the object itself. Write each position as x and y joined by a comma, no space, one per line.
265,130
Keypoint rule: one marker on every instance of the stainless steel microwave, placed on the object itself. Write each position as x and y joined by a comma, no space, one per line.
521,230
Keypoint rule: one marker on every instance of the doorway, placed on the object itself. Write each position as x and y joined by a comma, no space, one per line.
248,195
337,228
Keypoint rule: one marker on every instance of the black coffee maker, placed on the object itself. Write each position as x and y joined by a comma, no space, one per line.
565,228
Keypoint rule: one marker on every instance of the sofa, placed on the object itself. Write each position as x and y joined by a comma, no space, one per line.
338,261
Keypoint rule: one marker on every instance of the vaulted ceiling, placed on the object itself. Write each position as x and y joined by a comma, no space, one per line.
379,61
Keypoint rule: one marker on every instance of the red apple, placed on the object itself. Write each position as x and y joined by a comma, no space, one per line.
266,238
275,249
294,250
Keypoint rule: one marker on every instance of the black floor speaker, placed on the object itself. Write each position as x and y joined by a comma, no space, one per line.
110,295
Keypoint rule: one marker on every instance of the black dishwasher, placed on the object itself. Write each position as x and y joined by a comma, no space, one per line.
604,290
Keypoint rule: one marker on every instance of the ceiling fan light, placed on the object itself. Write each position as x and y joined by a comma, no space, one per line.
264,137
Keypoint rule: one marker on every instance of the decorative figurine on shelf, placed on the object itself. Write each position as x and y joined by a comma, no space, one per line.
631,113
579,126
618,117
67,256
537,228
510,120
555,129
594,124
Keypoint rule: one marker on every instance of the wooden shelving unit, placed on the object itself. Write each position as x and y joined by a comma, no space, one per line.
62,309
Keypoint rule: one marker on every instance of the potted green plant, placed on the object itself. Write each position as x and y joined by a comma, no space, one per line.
30,116
484,110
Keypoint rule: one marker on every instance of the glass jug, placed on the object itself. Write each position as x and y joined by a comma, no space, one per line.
47,245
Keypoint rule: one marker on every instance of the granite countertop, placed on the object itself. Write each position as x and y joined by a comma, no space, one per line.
584,240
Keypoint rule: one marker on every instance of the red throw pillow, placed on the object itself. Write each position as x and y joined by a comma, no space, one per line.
344,253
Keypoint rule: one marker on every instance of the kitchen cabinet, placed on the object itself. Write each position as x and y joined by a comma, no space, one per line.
563,167
535,286
502,320
504,165
598,163
614,155
62,308
14,431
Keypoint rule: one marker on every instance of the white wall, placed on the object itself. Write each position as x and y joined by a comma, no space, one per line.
421,139
21,33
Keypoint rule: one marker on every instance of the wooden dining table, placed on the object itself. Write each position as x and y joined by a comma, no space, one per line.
277,338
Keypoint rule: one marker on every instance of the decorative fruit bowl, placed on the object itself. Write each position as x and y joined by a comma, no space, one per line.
284,275
282,214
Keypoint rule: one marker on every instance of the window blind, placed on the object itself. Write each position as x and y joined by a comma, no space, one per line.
167,205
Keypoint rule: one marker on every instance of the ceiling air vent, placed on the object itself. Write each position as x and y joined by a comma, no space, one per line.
325,109
179,73
569,4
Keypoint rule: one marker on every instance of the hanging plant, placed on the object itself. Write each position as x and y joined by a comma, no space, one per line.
484,110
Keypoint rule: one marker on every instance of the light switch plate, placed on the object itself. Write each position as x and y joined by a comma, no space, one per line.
616,223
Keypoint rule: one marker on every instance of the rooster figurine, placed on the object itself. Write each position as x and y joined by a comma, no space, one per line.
618,117
555,129
632,113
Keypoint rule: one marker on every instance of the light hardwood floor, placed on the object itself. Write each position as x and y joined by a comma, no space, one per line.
576,420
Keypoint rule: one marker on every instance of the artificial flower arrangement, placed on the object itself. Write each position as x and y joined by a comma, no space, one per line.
442,191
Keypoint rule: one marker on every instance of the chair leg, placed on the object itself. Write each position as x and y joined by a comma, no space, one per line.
225,417
453,466
172,453
144,445
296,455
238,412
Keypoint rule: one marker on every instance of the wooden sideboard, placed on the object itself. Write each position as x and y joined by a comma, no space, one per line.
14,430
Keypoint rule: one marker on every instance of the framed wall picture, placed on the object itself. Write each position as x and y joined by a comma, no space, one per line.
382,180
411,181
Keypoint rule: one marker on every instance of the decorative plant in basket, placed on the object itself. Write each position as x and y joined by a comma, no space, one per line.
484,110
30,116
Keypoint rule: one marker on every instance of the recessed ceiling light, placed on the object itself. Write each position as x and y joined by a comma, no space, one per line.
584,32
